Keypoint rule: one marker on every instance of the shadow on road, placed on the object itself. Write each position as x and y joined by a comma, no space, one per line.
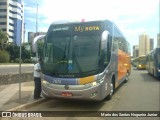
78,104
149,78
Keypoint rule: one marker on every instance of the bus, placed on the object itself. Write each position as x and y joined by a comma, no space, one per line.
140,62
134,62
153,62
84,60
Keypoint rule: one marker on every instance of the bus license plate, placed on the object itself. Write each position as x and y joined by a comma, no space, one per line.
67,94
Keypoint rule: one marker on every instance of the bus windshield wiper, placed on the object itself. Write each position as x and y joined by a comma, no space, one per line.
79,67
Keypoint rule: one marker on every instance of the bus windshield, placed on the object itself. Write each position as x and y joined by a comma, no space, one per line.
158,56
142,60
70,50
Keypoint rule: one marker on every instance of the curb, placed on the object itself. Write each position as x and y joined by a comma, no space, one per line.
16,65
27,105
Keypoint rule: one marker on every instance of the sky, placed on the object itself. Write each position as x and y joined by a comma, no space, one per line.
133,17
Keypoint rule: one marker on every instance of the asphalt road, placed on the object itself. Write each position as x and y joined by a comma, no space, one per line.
7,69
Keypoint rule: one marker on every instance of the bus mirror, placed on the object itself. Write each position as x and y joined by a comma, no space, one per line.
34,42
104,40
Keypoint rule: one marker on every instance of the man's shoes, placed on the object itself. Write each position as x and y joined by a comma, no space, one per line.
37,97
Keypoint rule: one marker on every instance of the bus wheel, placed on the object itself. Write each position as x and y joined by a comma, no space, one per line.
127,78
111,91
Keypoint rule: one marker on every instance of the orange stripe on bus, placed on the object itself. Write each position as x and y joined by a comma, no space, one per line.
124,64
86,80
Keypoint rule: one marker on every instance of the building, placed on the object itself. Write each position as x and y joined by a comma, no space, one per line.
144,44
32,35
12,19
158,40
135,51
151,44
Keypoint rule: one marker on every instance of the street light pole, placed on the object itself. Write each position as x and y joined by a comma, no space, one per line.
37,20
37,29
20,53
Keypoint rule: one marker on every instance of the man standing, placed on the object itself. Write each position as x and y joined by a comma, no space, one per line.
37,79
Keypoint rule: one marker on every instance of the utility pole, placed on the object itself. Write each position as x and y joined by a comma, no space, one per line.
37,20
37,29
20,53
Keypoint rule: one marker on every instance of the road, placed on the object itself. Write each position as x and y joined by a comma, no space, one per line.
140,93
7,69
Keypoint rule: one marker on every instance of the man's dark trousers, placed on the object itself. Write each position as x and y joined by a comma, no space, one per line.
37,89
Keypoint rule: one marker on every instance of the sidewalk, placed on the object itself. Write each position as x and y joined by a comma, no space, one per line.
9,95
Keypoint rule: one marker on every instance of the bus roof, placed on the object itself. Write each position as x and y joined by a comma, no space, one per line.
83,21
77,21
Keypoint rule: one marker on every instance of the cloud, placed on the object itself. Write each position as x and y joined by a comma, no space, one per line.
99,9
132,17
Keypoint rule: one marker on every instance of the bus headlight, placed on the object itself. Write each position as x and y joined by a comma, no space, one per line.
158,69
94,83
140,65
44,82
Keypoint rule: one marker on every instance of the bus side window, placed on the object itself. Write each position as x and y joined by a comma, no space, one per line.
115,44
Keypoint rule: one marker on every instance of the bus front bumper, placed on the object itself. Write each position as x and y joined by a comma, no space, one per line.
91,91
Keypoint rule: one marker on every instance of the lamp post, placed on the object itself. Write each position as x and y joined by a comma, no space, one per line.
37,29
20,57
37,20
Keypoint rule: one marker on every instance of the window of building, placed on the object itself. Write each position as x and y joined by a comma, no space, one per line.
11,18
4,29
3,10
13,6
3,3
14,12
11,24
3,16
11,30
11,37
3,23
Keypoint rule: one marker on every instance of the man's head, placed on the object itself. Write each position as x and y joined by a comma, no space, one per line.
40,60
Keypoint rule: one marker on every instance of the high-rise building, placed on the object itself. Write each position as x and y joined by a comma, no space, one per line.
31,36
135,51
151,44
12,19
158,40
144,44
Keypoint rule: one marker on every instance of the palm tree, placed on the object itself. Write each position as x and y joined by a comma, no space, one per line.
3,39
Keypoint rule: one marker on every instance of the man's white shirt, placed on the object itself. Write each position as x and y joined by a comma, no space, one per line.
36,73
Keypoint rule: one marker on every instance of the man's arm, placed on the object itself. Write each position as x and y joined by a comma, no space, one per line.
37,68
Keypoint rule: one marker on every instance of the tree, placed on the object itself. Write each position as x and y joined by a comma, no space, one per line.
13,51
3,39
40,45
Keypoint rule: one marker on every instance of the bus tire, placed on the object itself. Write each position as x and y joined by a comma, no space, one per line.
127,78
112,85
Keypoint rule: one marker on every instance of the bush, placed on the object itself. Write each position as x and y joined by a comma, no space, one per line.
4,56
27,61
17,60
